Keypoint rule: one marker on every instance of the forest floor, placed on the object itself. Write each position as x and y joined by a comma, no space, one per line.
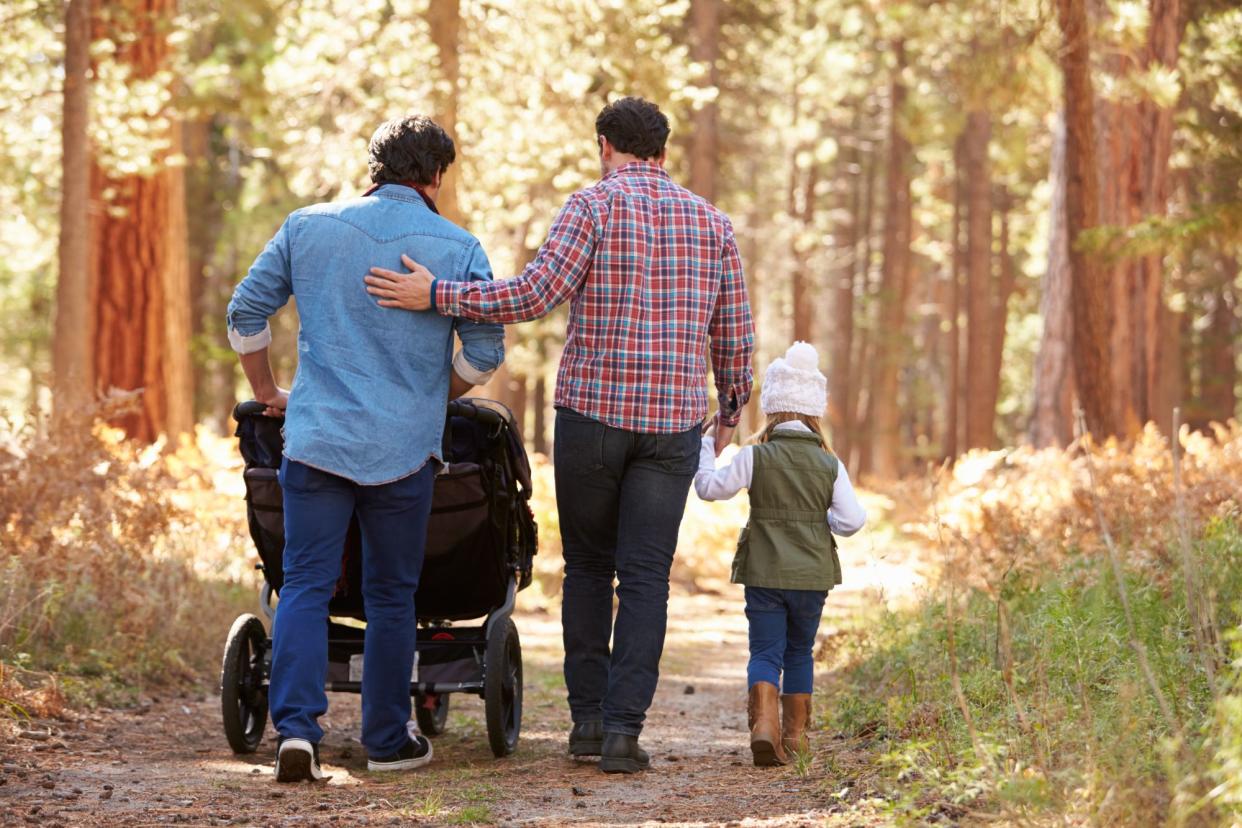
166,761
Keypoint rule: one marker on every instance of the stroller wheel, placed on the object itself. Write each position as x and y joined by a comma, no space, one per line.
432,721
243,691
502,687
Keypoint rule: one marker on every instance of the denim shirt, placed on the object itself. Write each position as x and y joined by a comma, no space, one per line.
368,400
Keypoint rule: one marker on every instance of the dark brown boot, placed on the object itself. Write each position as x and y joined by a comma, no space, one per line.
795,716
764,722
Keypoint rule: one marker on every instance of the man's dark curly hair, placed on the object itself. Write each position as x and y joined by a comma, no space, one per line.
413,148
634,126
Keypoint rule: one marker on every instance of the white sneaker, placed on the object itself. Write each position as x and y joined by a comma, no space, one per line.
297,760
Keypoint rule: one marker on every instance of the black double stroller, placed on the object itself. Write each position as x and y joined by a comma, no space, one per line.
481,541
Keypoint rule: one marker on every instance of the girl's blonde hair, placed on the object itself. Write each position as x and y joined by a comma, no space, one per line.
778,417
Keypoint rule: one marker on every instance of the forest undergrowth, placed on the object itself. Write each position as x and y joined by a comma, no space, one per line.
118,562
1080,655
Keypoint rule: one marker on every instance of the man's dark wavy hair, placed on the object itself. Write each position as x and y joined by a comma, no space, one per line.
634,126
413,148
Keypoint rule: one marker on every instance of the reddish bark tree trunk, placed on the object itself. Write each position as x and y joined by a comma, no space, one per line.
1091,288
141,331
1135,144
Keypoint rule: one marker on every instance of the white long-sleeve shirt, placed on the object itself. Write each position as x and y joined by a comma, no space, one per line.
845,516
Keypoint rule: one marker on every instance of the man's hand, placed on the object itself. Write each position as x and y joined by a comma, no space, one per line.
276,401
409,291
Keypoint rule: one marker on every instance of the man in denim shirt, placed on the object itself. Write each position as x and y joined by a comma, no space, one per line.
363,430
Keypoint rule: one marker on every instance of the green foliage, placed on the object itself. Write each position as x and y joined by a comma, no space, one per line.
279,101
1077,722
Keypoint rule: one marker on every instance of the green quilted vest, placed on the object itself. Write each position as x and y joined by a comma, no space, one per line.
786,543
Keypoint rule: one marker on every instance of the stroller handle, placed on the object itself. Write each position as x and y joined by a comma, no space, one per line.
467,407
250,408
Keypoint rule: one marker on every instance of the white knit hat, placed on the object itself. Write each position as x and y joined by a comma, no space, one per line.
793,383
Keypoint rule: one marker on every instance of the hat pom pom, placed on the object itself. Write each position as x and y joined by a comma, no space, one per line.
802,356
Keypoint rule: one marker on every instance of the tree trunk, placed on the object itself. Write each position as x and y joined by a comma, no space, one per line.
1135,141
860,405
704,124
953,351
220,380
1052,421
73,369
539,420
1164,37
752,417
1091,289
803,296
208,189
516,399
1218,357
444,20
885,412
138,252
980,417
841,336
1115,126
1003,291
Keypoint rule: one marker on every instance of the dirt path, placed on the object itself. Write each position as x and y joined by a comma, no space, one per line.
167,762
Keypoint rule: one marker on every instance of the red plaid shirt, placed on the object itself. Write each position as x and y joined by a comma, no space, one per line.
650,271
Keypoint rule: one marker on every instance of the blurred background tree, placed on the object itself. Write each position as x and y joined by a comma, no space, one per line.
907,180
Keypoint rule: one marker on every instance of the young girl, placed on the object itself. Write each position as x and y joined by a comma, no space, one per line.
786,557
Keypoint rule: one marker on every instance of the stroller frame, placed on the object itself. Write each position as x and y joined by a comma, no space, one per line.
482,659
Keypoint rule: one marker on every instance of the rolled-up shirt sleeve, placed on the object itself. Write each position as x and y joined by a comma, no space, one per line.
846,515
482,343
732,333
265,290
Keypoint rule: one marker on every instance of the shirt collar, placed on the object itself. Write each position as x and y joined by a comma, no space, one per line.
402,192
792,425
640,167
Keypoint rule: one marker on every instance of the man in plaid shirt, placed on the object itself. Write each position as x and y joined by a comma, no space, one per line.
652,273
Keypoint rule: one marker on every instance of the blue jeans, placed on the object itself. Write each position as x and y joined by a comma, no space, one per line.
393,520
783,623
620,496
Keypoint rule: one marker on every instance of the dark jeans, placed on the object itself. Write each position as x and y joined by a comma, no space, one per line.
393,519
620,496
783,623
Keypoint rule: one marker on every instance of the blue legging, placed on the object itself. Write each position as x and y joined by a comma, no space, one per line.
783,623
